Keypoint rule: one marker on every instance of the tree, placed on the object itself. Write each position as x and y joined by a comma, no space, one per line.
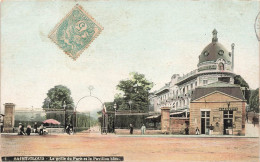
254,100
240,81
136,89
56,98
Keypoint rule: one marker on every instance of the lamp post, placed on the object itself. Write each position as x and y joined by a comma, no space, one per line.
48,100
64,107
130,103
115,118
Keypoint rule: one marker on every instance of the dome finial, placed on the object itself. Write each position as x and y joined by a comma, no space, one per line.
215,37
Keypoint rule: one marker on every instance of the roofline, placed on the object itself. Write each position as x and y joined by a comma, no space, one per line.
231,85
221,93
203,73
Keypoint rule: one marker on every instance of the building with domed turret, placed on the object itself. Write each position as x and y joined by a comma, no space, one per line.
216,64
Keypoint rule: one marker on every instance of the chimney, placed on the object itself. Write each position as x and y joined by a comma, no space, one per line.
232,47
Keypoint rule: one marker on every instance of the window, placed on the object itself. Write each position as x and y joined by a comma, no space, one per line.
205,121
191,85
206,53
221,66
183,90
221,52
205,82
228,114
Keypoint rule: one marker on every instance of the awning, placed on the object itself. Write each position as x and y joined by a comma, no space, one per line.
153,117
176,113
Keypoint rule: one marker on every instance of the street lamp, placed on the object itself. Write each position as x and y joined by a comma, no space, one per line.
115,118
48,100
64,107
130,103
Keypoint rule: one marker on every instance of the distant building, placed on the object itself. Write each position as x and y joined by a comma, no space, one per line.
215,64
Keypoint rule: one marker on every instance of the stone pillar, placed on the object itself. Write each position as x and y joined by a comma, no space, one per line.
9,117
165,119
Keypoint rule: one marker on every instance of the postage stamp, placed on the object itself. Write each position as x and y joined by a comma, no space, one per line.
75,32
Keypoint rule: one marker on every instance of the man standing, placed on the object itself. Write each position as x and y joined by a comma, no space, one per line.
211,129
143,128
41,129
131,129
187,130
197,131
35,126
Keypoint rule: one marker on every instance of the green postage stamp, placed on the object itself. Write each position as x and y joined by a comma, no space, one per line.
75,32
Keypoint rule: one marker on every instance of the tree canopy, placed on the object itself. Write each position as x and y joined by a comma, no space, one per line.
254,100
135,92
57,97
240,81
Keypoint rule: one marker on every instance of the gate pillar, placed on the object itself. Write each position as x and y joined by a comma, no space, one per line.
165,119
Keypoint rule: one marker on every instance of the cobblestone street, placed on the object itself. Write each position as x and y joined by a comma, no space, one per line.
152,148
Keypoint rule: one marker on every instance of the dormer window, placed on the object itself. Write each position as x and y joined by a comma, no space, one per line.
206,53
221,52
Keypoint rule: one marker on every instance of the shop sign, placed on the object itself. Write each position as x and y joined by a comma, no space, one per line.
228,109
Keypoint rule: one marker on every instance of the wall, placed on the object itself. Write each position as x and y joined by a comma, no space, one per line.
213,102
9,117
178,125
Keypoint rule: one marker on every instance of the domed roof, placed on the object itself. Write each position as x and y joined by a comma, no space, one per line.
214,51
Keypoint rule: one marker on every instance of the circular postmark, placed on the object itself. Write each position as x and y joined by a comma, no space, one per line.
257,26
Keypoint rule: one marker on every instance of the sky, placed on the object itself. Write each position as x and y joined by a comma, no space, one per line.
155,38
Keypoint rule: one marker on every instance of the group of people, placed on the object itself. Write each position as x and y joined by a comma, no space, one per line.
29,129
143,129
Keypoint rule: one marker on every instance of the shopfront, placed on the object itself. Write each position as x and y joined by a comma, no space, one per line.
219,109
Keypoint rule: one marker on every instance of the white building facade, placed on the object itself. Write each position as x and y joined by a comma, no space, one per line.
216,63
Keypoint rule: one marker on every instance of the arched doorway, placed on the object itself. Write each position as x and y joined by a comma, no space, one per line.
76,122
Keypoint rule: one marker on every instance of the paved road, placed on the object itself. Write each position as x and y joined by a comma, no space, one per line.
133,148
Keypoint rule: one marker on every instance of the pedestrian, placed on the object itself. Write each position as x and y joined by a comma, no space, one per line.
68,129
41,129
71,129
2,127
143,129
211,128
247,117
254,120
197,131
28,130
187,130
20,129
35,127
131,129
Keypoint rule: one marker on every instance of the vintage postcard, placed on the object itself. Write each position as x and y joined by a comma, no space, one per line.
124,80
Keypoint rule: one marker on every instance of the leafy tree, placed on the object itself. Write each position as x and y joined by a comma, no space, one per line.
56,98
254,100
240,81
136,90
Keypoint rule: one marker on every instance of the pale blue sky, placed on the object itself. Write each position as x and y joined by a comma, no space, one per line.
156,38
